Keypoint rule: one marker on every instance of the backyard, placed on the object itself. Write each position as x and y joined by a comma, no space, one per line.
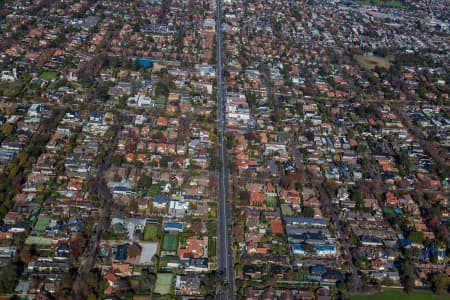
163,283
151,233
49,75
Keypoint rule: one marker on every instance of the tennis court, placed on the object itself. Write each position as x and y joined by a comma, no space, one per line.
170,242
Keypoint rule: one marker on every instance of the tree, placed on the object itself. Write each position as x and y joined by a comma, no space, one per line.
76,246
133,205
123,285
408,284
92,297
435,258
286,181
351,281
308,212
407,274
161,89
442,232
133,251
310,249
212,212
439,283
238,233
25,255
331,186
416,237
404,159
197,227
117,160
302,273
291,275
144,182
147,282
8,129
309,135
353,239
154,190
163,163
356,196
92,279
9,278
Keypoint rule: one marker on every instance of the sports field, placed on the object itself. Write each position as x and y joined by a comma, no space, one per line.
163,283
400,295
170,242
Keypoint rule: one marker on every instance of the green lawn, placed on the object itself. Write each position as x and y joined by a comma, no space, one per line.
388,210
286,210
154,189
400,295
212,246
212,227
38,241
370,62
392,3
41,224
151,233
52,86
163,283
271,201
170,242
11,89
49,75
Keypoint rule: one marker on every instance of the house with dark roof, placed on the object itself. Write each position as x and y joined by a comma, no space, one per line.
160,201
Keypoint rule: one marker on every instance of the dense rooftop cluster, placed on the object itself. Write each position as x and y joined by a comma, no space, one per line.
337,120
337,132
107,149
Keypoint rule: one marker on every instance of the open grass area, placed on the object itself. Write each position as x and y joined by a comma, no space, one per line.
170,242
382,3
49,75
271,201
212,243
11,89
400,295
41,224
212,227
151,233
370,62
286,210
163,283
52,86
38,241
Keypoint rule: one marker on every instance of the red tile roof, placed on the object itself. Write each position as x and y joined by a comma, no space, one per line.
277,227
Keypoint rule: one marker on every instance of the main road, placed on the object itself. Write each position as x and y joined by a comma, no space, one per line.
225,286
